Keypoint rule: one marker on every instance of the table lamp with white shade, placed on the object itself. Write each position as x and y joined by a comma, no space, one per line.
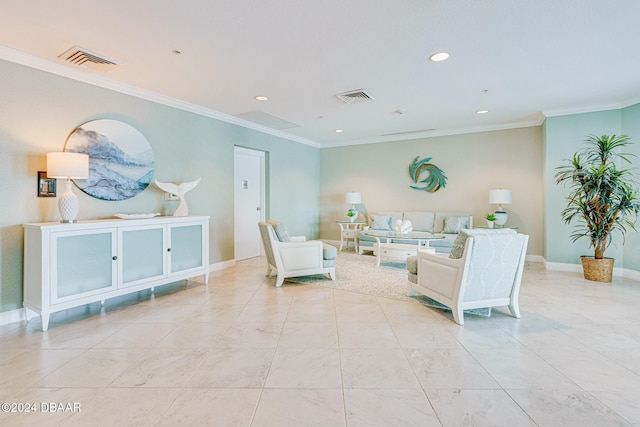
353,199
500,197
69,166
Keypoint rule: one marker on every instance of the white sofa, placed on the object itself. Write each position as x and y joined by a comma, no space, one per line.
447,223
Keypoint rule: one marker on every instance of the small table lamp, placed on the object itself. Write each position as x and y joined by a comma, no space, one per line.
69,166
353,199
500,197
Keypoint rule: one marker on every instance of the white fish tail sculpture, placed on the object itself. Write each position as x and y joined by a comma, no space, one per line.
179,190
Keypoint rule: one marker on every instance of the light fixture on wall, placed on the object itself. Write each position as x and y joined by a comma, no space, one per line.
353,199
69,166
500,197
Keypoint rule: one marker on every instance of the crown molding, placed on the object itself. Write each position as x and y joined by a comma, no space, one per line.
435,133
631,101
48,66
62,70
555,112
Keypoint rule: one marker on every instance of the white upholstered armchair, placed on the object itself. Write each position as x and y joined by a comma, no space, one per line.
294,256
487,273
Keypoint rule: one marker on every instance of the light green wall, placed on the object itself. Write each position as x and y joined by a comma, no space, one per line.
294,176
545,189
563,136
474,164
37,112
631,127
305,185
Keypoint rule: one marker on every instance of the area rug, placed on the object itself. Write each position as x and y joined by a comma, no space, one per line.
358,273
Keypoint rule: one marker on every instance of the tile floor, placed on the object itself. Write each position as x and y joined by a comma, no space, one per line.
248,354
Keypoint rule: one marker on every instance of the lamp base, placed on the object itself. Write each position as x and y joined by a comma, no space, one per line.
501,218
68,204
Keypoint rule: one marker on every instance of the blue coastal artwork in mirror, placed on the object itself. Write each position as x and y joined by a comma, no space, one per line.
121,161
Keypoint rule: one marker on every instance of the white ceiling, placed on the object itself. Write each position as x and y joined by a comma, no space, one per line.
519,59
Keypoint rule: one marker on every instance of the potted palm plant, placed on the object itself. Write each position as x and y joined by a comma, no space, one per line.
603,198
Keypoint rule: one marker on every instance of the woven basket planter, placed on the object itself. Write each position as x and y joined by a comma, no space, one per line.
598,270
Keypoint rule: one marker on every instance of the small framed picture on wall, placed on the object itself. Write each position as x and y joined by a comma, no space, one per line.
46,185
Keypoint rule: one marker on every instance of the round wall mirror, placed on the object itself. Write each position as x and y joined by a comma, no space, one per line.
121,161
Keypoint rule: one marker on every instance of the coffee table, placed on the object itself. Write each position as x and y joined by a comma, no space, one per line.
399,252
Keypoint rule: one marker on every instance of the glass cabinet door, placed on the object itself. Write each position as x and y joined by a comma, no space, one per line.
142,254
186,247
82,264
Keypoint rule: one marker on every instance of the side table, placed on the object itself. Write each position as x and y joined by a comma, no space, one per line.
349,230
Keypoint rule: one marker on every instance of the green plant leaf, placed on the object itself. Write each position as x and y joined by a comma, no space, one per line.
603,197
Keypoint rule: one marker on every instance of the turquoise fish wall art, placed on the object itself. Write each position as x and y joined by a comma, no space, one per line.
434,179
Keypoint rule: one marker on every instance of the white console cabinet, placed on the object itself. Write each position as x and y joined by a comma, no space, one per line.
68,265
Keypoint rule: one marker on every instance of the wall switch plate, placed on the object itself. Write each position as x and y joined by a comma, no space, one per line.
170,196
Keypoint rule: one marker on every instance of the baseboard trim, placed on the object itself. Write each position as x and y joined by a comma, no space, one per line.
535,258
561,266
577,268
17,315
335,243
222,265
631,274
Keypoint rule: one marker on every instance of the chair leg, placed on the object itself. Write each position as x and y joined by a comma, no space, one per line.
269,270
279,281
514,309
458,315
410,291
332,274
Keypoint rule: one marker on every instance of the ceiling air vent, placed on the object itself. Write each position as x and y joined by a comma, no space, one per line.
408,132
355,96
87,60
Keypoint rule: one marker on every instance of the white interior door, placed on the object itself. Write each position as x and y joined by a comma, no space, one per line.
249,177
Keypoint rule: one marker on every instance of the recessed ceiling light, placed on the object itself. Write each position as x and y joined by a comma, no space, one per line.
482,111
439,56
261,98
338,131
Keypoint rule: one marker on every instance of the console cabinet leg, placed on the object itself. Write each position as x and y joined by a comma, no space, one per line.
45,321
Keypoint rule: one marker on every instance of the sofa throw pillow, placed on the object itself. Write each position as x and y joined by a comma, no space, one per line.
281,231
380,222
452,225
458,245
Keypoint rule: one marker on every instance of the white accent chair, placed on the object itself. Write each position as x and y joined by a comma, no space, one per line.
488,274
295,256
